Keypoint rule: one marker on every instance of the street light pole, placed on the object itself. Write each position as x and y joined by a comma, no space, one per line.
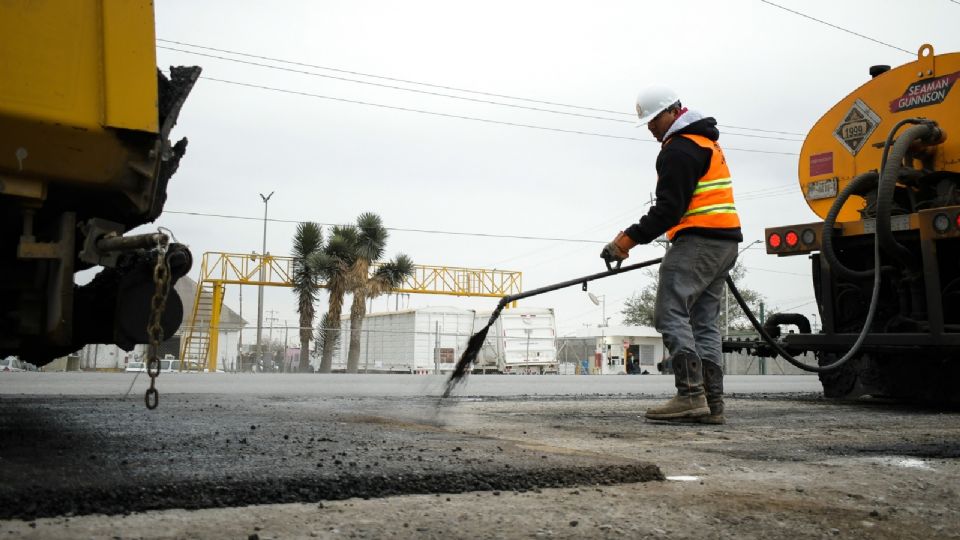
263,253
600,300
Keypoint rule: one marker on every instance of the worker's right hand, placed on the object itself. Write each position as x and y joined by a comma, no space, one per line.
618,249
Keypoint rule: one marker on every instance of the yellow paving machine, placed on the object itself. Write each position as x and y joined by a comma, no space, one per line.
84,158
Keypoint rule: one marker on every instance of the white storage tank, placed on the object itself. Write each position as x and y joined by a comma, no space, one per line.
424,340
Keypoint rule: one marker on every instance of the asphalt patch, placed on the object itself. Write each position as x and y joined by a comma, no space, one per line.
75,456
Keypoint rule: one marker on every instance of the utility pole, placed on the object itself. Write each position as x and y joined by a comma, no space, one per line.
528,331
762,363
436,350
271,319
238,366
286,330
263,254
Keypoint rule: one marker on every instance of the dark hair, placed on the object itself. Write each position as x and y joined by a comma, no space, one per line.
675,107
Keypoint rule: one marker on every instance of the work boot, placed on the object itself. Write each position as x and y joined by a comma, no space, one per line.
690,401
713,387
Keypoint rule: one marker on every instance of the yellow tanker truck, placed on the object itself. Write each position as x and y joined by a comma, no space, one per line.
882,171
84,158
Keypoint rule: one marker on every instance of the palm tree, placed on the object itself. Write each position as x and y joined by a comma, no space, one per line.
388,276
371,243
307,241
320,335
333,264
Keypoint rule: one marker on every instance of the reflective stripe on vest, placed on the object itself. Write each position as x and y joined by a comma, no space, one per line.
711,206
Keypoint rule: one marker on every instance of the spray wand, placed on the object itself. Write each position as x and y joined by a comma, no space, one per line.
476,341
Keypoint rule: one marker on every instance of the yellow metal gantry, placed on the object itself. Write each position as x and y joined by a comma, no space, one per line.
220,269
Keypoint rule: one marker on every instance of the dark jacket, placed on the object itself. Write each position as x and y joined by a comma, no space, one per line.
680,165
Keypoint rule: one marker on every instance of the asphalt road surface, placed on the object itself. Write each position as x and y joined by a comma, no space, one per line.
279,456
341,385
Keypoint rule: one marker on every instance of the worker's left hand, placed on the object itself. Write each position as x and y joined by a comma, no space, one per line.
618,249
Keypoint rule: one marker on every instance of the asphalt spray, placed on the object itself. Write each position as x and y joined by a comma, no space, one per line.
462,369
469,355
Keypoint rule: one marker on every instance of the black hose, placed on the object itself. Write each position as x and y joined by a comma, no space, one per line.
853,350
773,322
888,184
854,187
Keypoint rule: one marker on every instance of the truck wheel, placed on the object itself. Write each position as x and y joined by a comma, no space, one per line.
837,383
925,380
860,376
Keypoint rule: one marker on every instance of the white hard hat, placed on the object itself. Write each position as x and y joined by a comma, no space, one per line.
654,100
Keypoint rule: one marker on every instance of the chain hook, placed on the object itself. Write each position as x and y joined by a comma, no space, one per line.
158,303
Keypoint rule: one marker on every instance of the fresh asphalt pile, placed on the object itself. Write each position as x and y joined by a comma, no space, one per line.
82,455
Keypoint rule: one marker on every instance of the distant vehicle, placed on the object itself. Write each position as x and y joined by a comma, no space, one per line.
168,365
135,367
521,341
11,363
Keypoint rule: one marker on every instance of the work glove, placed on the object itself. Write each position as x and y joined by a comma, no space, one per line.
618,249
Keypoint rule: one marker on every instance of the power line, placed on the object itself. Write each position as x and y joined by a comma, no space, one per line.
391,87
766,193
406,81
773,194
399,229
438,94
442,87
728,126
357,102
778,187
835,26
799,305
461,117
427,231
776,271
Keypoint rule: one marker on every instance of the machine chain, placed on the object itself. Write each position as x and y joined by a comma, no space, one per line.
161,282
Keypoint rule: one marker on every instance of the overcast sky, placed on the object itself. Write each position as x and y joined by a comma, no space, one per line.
745,62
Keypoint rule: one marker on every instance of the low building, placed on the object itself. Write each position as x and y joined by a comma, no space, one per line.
610,350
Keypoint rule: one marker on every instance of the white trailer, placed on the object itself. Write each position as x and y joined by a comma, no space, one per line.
424,340
522,340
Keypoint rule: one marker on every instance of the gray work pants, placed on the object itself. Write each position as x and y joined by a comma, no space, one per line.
689,293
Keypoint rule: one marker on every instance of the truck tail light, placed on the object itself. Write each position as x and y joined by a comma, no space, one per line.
775,241
792,239
941,223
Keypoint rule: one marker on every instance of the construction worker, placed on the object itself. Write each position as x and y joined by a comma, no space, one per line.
695,209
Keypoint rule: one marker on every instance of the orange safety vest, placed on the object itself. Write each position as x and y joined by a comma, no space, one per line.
712,204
